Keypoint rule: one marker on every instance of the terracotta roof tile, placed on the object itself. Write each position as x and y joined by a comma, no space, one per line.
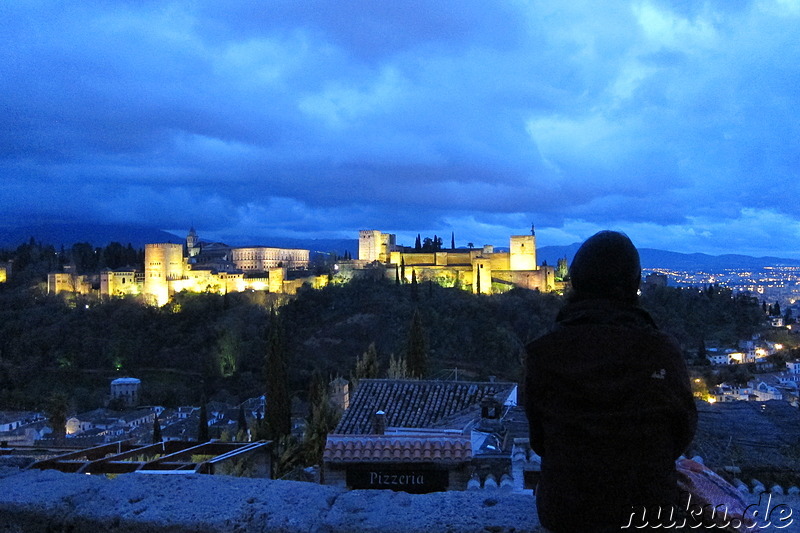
415,403
397,448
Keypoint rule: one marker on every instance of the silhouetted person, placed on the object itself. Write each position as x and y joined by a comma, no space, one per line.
608,398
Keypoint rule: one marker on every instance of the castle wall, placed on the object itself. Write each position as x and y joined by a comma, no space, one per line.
542,279
482,275
118,283
61,282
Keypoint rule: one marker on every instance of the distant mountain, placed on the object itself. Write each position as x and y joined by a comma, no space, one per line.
339,246
95,234
138,236
68,234
652,258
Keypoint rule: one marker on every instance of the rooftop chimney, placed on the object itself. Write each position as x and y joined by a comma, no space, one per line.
379,423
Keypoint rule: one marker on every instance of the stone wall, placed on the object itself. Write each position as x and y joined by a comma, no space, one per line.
38,501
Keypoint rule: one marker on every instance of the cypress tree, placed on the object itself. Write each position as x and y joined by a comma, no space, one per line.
202,425
157,431
367,364
452,240
398,369
317,389
278,409
321,421
418,244
414,288
242,422
417,358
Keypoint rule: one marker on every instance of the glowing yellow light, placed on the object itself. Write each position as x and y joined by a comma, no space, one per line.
779,346
711,399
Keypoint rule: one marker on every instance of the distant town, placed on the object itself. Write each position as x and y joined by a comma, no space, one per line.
775,283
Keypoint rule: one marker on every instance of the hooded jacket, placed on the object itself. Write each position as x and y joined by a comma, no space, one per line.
610,409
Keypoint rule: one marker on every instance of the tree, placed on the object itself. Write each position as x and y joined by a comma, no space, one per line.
452,240
228,352
56,412
402,270
701,350
432,245
322,420
278,416
202,424
417,358
398,369
414,287
418,244
316,389
562,271
157,430
367,364
242,421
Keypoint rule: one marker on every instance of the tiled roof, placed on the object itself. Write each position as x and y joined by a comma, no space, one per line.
414,403
397,448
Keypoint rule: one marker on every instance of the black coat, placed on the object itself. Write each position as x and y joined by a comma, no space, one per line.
610,408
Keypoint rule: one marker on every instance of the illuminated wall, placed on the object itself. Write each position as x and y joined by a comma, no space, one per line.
119,283
482,275
264,259
463,268
67,282
375,246
163,262
369,245
523,252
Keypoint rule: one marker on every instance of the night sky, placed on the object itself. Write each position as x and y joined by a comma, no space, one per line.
676,122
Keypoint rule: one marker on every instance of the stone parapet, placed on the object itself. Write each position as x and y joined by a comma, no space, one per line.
37,501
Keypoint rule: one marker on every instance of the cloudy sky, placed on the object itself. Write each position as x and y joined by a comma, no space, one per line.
677,122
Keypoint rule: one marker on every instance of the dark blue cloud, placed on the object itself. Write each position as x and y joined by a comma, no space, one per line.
674,122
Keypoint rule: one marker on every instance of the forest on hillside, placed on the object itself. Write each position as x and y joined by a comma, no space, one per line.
215,344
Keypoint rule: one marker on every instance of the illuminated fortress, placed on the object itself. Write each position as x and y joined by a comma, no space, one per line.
197,267
481,270
215,267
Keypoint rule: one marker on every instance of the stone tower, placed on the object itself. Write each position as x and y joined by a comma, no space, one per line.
482,275
163,262
192,243
375,246
522,254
